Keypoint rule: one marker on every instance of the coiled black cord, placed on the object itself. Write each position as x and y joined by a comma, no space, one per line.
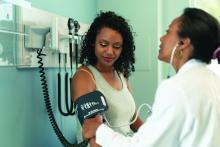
49,107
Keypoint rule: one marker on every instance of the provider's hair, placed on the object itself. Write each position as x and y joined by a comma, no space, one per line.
203,30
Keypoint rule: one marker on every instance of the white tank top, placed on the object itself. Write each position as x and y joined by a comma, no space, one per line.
121,103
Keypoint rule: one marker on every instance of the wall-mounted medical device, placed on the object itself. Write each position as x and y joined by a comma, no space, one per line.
49,32
36,36
23,29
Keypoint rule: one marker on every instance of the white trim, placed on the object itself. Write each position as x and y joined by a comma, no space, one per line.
13,32
22,3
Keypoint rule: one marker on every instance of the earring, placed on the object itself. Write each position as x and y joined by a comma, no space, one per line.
179,54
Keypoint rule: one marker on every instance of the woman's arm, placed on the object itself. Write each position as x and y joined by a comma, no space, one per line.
134,127
83,83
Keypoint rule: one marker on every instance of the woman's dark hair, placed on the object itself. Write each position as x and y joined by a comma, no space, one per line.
203,30
125,63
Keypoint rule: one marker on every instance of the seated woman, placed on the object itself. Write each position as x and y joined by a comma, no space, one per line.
107,59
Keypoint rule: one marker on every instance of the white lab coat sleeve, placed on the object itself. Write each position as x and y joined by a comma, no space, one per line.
162,129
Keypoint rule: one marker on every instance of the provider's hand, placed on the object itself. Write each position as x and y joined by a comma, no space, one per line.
90,126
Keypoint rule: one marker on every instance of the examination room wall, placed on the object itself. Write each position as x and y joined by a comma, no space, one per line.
23,117
149,20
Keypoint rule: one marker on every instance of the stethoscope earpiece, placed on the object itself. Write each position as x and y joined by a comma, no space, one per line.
171,59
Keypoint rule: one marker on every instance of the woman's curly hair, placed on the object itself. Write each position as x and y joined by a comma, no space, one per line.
125,63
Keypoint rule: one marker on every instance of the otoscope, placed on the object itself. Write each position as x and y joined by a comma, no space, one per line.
71,24
77,27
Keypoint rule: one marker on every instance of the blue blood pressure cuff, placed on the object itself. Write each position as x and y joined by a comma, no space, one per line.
89,105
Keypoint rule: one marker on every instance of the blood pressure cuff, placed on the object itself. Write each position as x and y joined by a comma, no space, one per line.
89,105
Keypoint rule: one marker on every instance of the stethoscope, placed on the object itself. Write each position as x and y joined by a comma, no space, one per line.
171,60
149,108
149,111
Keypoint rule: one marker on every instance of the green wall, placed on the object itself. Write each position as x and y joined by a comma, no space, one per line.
24,121
82,10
